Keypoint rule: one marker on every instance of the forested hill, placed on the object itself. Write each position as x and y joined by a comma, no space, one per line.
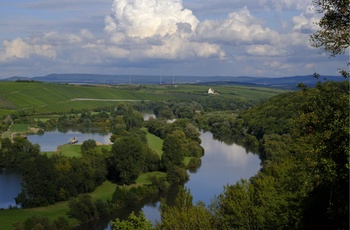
303,138
280,82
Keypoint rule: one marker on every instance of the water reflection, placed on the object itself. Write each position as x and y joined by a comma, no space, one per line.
10,186
50,140
221,165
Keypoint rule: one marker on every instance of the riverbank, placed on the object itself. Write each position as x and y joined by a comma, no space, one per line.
11,216
104,192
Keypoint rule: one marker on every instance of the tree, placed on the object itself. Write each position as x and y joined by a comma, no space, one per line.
126,160
133,223
12,154
324,126
183,214
34,223
88,146
173,152
38,187
83,208
334,34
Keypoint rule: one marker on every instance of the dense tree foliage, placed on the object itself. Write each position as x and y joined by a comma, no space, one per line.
42,223
13,153
304,183
183,214
130,157
134,222
48,180
88,146
324,126
126,160
334,33
83,208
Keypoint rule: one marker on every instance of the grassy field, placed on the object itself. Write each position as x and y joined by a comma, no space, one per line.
155,143
9,217
20,128
143,179
69,150
52,98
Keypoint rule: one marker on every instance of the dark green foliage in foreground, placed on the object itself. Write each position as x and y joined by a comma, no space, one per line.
184,215
134,222
83,208
334,33
324,125
43,223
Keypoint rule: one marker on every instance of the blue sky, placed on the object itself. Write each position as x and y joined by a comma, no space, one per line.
266,38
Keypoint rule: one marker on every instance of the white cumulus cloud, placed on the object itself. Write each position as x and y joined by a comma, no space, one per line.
306,22
20,49
239,27
139,18
155,29
266,50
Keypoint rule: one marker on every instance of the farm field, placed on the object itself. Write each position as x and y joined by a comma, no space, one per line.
39,98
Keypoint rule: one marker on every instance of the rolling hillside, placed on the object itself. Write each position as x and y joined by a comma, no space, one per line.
52,98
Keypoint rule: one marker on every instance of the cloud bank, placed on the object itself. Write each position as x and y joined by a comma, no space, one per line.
144,34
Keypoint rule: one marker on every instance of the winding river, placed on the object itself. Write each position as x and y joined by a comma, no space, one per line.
221,165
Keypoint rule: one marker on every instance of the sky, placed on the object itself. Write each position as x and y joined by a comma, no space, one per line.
261,38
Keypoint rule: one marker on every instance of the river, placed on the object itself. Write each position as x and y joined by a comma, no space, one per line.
50,140
222,164
10,186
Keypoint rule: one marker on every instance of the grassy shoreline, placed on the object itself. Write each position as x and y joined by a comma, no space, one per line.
104,192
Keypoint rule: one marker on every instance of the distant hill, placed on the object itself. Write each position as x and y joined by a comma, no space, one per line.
79,78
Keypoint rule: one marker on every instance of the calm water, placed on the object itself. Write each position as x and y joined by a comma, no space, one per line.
222,164
10,186
49,141
10,181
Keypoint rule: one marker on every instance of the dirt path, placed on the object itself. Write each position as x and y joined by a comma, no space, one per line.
97,99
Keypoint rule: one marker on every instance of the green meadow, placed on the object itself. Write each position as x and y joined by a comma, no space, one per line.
39,98
155,143
20,128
